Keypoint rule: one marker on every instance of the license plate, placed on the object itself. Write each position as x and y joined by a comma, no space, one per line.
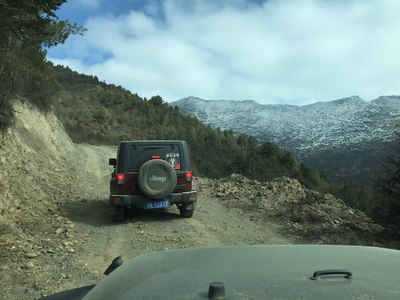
157,204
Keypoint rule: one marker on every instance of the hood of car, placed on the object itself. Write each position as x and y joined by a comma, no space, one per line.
257,272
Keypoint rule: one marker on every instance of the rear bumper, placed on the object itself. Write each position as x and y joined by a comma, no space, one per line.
188,199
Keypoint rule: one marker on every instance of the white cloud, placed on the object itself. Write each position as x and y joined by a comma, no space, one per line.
282,50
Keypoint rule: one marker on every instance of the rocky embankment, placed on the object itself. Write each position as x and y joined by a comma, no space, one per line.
310,216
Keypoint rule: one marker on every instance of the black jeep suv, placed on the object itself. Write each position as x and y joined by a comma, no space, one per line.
152,174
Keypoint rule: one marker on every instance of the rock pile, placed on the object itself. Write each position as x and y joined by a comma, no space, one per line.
310,215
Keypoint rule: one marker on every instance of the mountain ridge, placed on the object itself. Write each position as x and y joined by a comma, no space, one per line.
350,123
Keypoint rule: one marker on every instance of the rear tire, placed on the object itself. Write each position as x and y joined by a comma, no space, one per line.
186,213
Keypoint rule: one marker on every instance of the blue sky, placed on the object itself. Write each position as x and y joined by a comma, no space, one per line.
272,51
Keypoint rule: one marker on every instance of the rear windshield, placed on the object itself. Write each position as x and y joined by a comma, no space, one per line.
139,154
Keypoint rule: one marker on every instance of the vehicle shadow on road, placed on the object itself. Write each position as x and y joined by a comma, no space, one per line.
97,212
91,212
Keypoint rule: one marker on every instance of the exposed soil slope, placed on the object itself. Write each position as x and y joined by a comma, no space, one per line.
54,214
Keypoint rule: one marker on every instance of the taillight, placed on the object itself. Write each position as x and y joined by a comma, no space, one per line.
188,176
120,178
155,157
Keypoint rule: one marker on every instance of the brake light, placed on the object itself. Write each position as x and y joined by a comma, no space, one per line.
155,156
188,176
120,178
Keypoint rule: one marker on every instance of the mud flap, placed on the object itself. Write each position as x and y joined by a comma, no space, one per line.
118,214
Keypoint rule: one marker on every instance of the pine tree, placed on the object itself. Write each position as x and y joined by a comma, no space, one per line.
27,28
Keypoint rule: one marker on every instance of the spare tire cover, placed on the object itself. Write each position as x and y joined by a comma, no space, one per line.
157,178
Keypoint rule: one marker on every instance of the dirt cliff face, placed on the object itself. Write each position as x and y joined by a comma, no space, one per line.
55,231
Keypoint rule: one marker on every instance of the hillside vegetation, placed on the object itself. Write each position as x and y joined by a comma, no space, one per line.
27,29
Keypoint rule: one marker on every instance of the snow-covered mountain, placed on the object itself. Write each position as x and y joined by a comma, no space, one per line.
313,133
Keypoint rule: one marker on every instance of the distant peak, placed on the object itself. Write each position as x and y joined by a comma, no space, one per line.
353,100
198,99
350,99
355,97
191,98
387,99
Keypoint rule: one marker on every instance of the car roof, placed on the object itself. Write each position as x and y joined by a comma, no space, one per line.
153,141
256,272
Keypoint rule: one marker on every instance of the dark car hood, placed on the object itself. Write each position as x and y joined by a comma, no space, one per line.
256,272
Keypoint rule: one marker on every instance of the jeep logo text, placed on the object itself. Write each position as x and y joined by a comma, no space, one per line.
156,178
